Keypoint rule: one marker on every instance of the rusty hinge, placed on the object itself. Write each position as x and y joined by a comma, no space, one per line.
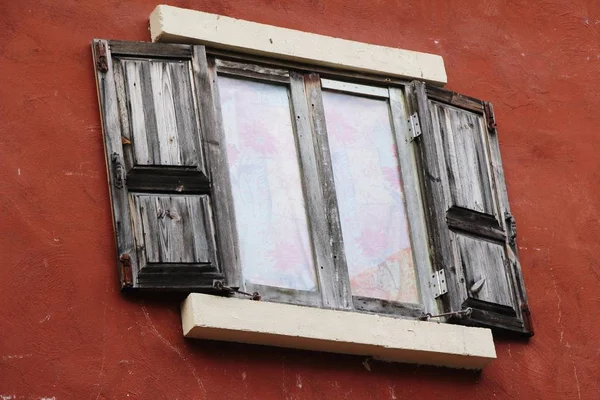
101,56
219,285
490,119
511,227
126,270
118,170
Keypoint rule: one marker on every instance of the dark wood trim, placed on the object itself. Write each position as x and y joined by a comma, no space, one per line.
455,99
473,222
147,49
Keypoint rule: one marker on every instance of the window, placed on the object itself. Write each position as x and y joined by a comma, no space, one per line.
233,173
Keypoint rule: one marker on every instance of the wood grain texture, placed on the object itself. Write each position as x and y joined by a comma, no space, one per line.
455,99
113,149
150,50
437,195
323,156
514,271
465,156
326,72
485,260
159,188
284,295
484,225
313,193
252,71
467,206
355,88
213,142
175,229
413,194
164,124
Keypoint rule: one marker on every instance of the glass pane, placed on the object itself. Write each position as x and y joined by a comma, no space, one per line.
270,214
370,198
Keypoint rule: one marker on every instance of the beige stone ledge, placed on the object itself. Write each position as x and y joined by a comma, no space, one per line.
283,325
179,25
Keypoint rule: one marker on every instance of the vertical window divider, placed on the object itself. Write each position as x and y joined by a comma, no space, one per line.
413,198
313,192
338,276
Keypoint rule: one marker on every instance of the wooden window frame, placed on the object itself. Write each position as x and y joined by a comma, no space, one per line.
420,167
305,89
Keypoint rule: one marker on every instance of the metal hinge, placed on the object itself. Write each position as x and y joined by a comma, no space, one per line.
413,126
438,283
126,270
118,170
101,56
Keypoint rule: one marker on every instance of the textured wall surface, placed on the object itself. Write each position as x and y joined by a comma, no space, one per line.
67,333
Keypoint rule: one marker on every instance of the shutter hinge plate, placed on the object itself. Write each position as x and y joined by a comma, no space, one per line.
438,283
101,56
126,271
413,126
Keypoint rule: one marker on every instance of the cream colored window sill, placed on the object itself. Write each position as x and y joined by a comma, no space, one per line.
179,25
284,325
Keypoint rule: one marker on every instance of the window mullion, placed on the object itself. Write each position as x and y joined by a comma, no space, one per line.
335,280
413,197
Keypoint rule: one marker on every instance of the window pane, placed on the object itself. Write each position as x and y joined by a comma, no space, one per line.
370,198
270,214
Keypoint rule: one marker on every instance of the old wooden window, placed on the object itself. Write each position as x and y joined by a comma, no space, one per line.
232,174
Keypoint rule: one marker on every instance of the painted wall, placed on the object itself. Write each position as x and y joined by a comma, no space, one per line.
67,333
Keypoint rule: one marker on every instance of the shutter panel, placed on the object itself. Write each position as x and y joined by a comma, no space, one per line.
171,224
473,232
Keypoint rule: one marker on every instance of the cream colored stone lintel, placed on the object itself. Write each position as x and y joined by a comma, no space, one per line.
283,325
179,25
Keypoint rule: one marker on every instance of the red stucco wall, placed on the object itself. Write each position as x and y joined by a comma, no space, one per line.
67,333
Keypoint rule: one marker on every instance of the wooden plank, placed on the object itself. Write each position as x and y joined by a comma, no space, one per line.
113,148
150,50
283,295
468,221
484,264
124,113
252,71
325,72
213,140
437,193
164,110
391,308
178,280
355,88
415,202
455,99
167,180
187,123
466,158
323,156
313,193
514,266
176,229
135,99
163,117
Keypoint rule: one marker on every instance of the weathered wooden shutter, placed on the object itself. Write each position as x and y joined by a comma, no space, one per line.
163,153
472,230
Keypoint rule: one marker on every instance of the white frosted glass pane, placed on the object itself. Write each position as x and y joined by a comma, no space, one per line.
270,214
370,198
